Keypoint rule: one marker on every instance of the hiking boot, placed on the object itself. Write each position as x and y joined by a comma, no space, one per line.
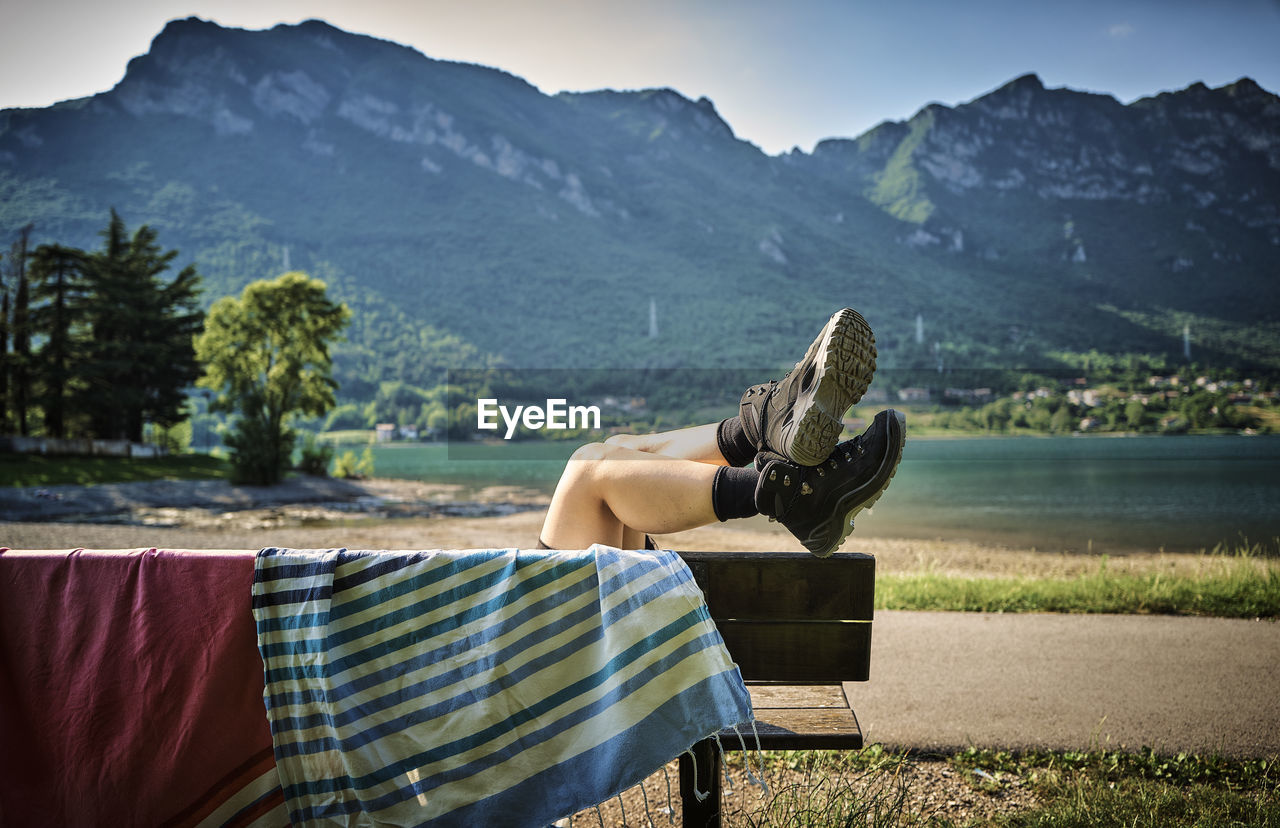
799,416
818,503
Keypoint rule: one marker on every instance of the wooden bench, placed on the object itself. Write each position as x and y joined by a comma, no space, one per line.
797,626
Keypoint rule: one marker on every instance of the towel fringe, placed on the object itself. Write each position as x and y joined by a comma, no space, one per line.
671,807
724,765
648,815
699,795
758,781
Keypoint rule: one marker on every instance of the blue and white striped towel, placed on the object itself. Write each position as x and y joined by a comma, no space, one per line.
493,687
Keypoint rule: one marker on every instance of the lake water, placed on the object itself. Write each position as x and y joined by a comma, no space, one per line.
1053,493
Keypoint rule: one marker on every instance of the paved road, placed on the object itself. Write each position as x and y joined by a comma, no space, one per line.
948,680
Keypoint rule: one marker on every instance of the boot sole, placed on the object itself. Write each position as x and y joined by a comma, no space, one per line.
843,359
841,523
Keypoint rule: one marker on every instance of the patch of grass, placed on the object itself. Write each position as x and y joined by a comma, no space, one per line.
350,436
1240,590
1081,800
39,470
1262,775
1106,788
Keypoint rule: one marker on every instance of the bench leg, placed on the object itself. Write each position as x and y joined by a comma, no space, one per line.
704,814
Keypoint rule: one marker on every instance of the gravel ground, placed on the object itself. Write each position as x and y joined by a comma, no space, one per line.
929,787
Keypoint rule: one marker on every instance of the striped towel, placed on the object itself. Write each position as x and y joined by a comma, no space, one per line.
495,687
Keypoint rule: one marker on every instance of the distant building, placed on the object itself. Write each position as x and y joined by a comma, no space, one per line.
968,394
854,425
384,432
913,394
876,395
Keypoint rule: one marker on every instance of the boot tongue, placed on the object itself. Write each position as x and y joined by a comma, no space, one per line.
751,410
764,458
769,503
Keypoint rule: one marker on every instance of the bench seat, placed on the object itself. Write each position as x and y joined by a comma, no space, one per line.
800,717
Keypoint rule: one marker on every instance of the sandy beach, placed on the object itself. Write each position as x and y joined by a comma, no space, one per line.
323,513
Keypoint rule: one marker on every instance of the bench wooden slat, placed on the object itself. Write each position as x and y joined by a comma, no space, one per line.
795,652
785,585
799,718
764,696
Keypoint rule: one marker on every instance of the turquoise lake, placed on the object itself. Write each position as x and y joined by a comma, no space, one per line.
1051,493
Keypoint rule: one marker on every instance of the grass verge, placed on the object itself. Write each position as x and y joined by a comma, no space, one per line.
877,787
1236,586
40,470
1108,788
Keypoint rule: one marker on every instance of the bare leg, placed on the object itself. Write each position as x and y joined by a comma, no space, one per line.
612,494
632,539
693,443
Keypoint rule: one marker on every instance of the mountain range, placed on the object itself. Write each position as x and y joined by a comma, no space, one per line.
470,219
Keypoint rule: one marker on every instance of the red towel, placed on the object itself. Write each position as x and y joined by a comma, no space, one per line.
131,691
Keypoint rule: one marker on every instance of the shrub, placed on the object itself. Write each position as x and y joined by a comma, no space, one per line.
316,457
349,467
258,456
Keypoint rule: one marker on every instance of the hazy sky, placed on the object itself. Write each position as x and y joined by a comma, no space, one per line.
782,73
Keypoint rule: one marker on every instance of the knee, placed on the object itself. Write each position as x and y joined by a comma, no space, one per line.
593,453
630,441
586,466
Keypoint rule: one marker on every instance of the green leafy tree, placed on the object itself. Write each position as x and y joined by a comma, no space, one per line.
174,439
1135,414
316,457
1062,421
266,355
346,416
141,360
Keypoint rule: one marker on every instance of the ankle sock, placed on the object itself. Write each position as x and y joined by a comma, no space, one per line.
733,443
733,492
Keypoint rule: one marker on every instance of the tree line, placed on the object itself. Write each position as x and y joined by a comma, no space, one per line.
96,343
99,343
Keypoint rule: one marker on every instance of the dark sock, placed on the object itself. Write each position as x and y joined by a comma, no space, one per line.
733,492
733,443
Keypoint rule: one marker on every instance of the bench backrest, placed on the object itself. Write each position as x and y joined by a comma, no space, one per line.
789,617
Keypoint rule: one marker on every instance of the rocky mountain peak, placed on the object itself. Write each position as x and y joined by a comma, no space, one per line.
424,189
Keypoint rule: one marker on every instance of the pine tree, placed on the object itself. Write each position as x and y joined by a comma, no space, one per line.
58,277
141,358
21,370
4,348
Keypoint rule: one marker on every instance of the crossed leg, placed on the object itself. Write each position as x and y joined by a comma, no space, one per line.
618,491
